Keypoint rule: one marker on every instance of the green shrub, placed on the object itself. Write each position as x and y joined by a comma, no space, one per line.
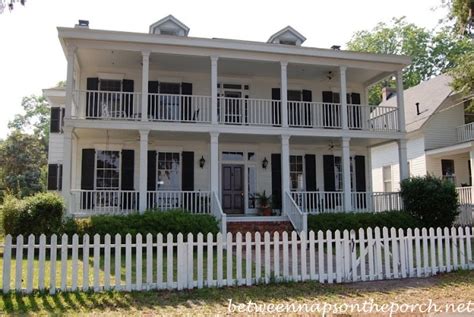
356,220
431,200
41,213
154,222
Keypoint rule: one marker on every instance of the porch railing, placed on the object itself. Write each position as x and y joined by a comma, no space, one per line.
249,111
464,195
327,202
314,114
95,202
218,213
373,118
319,202
297,217
107,105
179,108
465,132
198,202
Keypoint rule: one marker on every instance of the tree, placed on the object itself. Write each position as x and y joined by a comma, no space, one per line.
432,52
35,119
459,13
23,162
10,4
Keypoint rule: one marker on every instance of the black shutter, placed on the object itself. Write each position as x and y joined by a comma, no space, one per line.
52,176
356,111
329,176
335,97
151,173
328,117
276,181
63,112
360,173
60,177
187,176
152,100
87,177
308,97
186,106
127,101
276,105
92,104
55,123
128,169
310,171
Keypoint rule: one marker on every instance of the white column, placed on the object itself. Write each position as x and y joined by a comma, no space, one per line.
284,94
71,57
214,89
400,102
471,161
214,158
67,168
142,187
403,159
145,71
285,169
346,172
343,96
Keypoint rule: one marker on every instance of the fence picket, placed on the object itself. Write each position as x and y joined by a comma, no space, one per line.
107,243
462,249
417,252
169,261
321,256
409,253
138,261
312,257
19,262
276,255
29,266
238,260
339,259
85,262
248,259
180,262
210,260
258,257
346,255
469,247
128,262
200,264
149,261
439,234
41,261
96,261
74,264
433,266
64,255
285,256
266,238
294,256
424,236
303,259
378,254
229,257
159,261
52,263
386,249
118,261
363,253
220,263
6,269
454,249
447,248
402,247
395,257
190,273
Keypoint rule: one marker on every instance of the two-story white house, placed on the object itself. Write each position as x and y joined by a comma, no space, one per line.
165,120
440,134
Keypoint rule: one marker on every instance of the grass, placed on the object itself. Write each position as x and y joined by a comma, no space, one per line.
443,289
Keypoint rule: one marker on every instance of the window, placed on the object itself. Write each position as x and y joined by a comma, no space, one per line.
296,172
55,175
251,156
107,170
387,178
338,173
110,85
447,169
168,171
232,156
252,186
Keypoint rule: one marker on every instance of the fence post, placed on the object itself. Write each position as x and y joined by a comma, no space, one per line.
181,262
7,253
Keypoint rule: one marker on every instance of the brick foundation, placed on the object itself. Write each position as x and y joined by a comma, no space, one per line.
259,226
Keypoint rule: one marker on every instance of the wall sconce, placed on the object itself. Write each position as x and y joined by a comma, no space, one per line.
265,163
202,161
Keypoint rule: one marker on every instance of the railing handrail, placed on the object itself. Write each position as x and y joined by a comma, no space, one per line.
177,95
108,92
216,210
301,215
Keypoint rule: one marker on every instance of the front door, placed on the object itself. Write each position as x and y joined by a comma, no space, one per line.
233,188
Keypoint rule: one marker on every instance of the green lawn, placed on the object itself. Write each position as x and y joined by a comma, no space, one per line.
448,288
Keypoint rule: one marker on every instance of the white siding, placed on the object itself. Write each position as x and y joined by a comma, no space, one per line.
440,130
387,154
55,152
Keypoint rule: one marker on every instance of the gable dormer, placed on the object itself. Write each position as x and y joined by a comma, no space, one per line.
169,26
287,36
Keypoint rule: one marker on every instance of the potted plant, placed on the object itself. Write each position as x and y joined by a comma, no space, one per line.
264,203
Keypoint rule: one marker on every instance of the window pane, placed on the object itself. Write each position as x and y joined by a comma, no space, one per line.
232,156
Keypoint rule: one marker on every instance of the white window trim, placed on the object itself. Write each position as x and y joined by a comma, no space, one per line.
119,169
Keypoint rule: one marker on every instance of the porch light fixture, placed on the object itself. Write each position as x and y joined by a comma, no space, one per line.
202,161
265,163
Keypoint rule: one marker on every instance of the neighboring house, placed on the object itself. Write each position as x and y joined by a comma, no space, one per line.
165,120
439,135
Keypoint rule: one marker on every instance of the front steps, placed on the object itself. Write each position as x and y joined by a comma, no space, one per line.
252,224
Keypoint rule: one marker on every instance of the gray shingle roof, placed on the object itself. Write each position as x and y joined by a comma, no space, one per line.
430,94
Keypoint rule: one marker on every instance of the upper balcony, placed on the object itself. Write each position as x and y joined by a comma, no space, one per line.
108,105
465,132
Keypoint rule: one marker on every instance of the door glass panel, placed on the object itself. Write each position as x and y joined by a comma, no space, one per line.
168,171
170,101
252,186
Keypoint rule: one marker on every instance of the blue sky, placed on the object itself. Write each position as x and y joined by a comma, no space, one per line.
31,57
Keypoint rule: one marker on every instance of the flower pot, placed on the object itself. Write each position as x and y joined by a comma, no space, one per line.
267,211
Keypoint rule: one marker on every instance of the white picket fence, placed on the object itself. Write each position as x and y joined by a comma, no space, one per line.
168,262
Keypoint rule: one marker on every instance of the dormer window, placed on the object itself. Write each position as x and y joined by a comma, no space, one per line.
287,36
169,26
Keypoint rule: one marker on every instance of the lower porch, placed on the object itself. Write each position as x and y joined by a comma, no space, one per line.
116,172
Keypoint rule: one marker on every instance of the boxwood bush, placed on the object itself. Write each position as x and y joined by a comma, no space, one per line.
154,222
431,200
41,213
356,220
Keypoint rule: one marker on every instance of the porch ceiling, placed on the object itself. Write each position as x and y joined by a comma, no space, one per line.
103,59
